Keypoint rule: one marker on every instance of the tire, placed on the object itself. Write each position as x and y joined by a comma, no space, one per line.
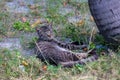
106,14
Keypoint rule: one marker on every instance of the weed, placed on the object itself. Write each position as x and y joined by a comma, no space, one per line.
10,64
14,66
18,25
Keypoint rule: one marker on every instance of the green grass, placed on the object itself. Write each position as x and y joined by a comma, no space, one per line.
14,66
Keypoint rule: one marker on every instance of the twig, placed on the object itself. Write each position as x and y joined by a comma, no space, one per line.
91,35
41,53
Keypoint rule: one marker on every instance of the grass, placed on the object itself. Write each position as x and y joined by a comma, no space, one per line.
14,66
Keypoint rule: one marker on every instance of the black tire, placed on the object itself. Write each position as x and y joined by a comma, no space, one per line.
106,14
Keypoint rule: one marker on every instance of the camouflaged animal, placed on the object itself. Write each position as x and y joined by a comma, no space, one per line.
54,52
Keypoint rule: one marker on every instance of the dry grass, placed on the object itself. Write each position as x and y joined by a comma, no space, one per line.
106,68
14,66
